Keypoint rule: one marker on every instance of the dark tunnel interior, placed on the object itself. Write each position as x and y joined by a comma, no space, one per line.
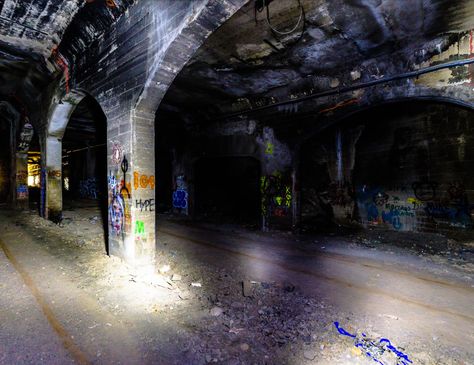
237,182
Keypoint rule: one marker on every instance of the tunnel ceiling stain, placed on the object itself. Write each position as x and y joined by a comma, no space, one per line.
31,31
244,57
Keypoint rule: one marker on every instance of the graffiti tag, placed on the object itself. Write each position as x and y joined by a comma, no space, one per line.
180,199
145,205
143,181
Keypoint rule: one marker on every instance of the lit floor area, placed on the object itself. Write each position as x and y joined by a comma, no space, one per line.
229,295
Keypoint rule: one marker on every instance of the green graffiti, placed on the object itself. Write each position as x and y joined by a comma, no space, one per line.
276,195
288,196
139,228
269,148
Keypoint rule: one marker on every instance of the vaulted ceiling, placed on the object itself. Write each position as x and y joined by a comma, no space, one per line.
32,30
245,57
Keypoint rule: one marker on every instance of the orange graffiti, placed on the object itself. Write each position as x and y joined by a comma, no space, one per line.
109,3
22,175
125,189
143,181
54,174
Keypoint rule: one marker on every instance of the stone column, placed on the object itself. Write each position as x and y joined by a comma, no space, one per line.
54,186
22,181
131,188
51,173
21,166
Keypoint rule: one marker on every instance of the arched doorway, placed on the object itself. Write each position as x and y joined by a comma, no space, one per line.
84,162
401,166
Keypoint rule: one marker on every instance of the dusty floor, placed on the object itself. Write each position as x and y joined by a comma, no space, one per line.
227,295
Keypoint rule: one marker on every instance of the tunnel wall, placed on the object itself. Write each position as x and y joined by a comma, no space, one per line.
5,161
406,169
241,139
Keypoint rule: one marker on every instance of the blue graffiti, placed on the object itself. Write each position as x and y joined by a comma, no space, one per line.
372,199
373,349
393,218
460,212
372,212
180,199
403,357
88,188
342,331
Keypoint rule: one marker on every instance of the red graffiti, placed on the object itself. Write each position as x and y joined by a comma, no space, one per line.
22,175
62,64
340,105
109,3
471,47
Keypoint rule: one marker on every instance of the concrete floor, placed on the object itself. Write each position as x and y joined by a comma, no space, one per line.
63,301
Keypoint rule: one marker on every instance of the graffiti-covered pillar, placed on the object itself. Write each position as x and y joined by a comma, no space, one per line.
21,176
21,201
131,185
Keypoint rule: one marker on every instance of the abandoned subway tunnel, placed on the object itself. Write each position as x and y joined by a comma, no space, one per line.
237,182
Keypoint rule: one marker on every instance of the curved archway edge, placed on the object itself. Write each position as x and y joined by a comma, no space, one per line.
398,95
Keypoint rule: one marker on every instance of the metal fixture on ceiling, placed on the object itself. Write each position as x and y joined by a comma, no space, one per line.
261,4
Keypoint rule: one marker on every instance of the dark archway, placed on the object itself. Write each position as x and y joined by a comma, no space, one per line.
402,166
34,172
85,159
227,189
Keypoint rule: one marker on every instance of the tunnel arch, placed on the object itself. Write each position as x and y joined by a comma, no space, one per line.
398,95
191,35
52,175
11,117
405,147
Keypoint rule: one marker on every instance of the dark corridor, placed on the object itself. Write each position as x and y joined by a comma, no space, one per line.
227,189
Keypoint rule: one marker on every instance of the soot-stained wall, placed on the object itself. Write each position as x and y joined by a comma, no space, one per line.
5,159
403,167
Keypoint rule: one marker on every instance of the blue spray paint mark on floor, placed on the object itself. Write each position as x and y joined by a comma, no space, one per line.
342,331
373,349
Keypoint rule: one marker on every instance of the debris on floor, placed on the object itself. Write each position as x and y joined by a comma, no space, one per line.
224,315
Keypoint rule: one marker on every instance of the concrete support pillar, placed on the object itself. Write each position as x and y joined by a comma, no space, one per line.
53,175
21,166
131,184
21,178
51,172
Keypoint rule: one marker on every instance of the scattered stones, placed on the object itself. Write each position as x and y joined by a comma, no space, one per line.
247,288
230,321
216,311
356,351
176,277
309,354
164,269
244,347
